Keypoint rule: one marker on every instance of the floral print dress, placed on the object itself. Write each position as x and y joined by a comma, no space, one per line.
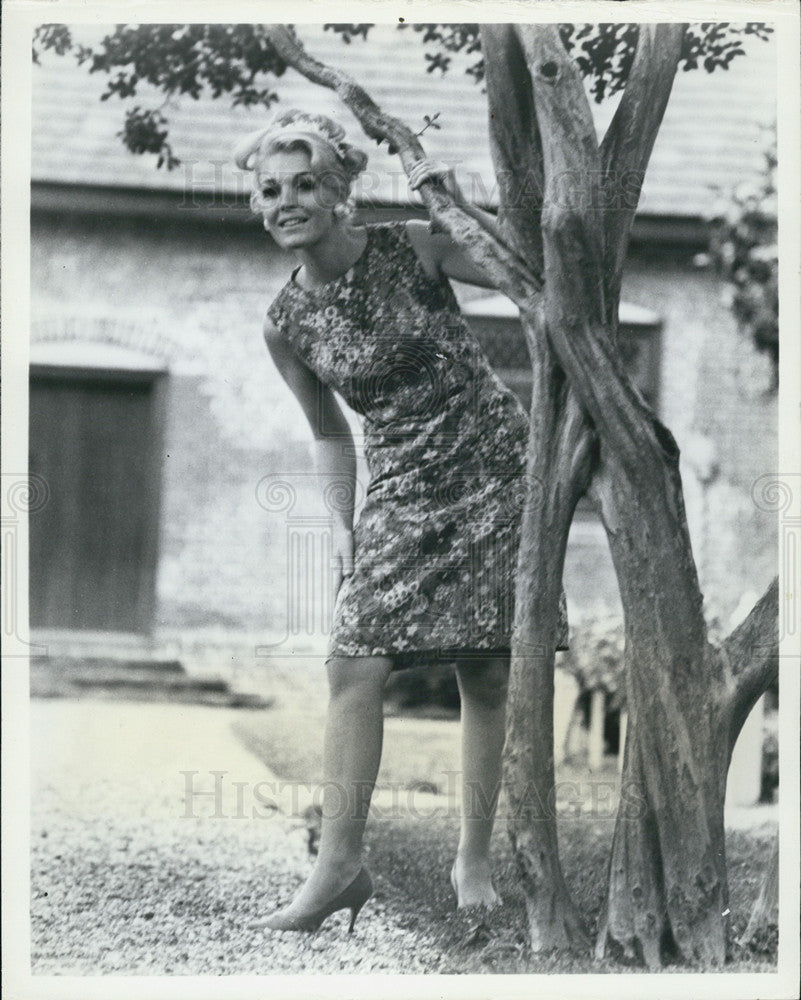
435,543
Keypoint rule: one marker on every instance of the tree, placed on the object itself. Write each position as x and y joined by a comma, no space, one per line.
567,203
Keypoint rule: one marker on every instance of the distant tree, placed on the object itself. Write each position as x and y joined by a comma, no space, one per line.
567,203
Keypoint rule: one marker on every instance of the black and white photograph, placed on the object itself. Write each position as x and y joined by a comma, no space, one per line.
401,492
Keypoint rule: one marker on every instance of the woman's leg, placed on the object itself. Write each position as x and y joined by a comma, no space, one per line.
351,756
483,685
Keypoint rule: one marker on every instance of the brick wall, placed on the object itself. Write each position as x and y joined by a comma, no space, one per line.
714,398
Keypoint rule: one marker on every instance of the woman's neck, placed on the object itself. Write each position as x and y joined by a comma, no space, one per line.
334,255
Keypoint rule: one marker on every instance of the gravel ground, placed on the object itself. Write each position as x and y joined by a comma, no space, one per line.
131,876
124,882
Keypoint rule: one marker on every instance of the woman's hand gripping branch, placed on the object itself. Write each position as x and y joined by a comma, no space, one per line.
437,251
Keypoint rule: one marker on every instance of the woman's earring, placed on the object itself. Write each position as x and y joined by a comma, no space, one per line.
344,209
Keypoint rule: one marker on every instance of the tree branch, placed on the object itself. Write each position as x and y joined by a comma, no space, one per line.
578,298
751,655
570,153
629,140
514,140
510,273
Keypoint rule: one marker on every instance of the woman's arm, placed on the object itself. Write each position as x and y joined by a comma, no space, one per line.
335,460
437,251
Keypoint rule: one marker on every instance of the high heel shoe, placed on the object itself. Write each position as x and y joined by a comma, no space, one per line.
352,897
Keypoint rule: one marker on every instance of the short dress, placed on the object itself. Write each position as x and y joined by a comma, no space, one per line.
436,540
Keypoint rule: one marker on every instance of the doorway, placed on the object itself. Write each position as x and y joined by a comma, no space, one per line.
96,437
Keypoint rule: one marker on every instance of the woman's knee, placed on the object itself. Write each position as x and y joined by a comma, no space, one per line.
484,681
357,675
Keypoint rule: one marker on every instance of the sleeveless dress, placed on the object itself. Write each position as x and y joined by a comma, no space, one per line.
435,543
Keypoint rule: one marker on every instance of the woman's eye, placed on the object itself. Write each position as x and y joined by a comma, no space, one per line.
306,184
270,191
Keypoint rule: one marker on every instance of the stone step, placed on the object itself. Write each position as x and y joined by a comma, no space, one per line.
101,665
138,680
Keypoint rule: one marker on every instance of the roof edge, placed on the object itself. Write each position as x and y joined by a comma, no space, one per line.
228,210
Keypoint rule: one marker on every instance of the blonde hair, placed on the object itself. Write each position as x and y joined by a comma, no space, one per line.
321,137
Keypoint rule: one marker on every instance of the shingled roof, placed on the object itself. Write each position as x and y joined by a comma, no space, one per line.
712,135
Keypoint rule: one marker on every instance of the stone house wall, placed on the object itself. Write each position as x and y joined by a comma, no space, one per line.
239,505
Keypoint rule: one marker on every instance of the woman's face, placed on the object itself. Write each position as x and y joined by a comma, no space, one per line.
296,203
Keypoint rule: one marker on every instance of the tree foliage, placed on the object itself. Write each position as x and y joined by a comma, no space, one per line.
238,60
603,52
744,250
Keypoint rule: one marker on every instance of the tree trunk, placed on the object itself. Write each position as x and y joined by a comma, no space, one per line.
667,876
668,889
558,472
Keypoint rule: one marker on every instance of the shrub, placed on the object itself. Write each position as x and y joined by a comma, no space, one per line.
743,247
595,657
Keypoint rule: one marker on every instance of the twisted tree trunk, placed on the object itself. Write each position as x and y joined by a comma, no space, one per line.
559,466
686,700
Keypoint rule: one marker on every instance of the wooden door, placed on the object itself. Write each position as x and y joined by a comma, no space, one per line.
96,438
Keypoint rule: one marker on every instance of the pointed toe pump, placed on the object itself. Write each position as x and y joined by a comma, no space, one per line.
353,897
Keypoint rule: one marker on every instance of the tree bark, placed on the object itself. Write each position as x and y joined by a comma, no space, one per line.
668,889
515,142
559,461
558,470
750,661
629,141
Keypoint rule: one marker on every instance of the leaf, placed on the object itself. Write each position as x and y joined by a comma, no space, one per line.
742,245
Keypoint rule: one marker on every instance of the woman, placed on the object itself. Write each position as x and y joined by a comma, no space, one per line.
426,573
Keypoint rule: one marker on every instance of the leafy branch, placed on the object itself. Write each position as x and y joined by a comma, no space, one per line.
239,60
430,122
